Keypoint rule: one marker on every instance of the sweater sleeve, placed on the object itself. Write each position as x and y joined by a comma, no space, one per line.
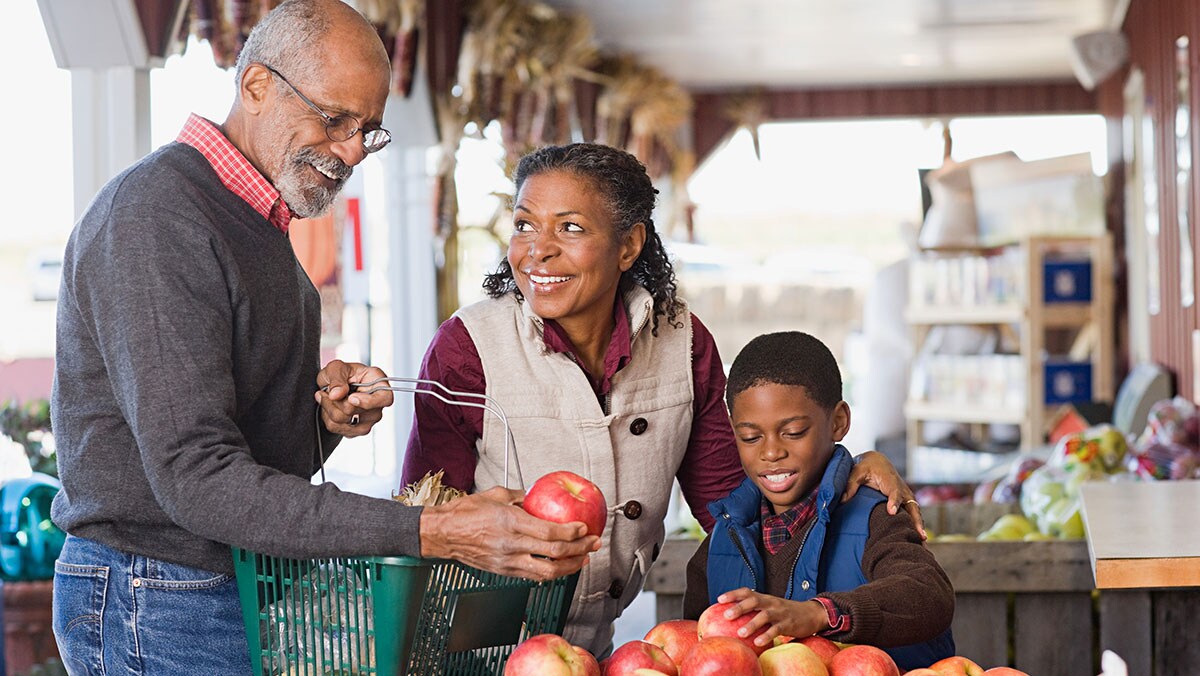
152,290
907,598
711,467
443,436
695,595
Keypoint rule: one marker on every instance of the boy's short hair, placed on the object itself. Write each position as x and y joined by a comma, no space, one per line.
787,358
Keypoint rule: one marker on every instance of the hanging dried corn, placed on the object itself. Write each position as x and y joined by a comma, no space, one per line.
398,23
748,110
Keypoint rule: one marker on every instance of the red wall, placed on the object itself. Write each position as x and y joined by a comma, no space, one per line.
1152,27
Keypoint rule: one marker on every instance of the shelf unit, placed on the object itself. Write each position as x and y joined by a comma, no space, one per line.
1029,313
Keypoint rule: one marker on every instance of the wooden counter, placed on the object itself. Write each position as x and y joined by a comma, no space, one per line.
1143,535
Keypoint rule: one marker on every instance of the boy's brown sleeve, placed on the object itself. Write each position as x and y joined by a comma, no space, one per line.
907,598
695,596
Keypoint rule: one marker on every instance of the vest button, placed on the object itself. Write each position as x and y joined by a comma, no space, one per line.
616,589
633,509
137,582
638,426
805,585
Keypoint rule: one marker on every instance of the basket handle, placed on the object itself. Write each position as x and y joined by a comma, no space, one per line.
489,404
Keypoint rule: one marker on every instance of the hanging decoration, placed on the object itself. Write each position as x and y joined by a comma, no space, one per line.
398,23
749,110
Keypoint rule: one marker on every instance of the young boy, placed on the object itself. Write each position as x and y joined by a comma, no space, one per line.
784,548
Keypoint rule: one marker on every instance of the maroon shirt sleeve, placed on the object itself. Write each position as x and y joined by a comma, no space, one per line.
443,436
711,467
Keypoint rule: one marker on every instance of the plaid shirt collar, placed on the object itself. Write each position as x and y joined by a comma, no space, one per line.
778,529
235,171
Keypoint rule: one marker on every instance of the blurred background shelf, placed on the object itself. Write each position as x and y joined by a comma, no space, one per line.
1046,303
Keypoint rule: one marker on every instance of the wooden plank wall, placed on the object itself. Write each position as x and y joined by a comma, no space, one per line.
1152,27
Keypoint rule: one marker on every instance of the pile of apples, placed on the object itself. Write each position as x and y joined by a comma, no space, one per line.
711,647
707,647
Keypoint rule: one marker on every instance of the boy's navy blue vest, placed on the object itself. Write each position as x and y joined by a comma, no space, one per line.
830,558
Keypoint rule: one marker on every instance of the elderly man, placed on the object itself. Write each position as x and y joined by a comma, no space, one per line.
187,369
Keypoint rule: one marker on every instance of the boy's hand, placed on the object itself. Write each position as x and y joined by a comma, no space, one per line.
781,617
875,470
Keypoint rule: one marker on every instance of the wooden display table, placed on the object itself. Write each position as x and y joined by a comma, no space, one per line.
1143,535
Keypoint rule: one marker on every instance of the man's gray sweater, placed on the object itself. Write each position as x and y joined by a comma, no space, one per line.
187,355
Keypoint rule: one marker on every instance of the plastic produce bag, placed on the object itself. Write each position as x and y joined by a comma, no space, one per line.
1050,498
323,619
1169,449
1008,490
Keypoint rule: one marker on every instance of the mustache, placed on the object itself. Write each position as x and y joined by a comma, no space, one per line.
330,165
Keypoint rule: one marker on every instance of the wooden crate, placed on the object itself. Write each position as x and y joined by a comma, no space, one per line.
1028,605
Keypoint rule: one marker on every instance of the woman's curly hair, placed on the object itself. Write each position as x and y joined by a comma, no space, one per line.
630,196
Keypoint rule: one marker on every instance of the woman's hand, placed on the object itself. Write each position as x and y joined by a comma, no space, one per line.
875,470
780,617
345,412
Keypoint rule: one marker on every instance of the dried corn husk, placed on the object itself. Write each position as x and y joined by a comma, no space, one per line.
398,22
748,110
428,492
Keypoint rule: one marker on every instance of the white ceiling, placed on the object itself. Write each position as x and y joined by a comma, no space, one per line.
712,44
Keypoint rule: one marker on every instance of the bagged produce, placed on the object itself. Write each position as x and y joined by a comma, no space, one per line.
1008,490
1169,449
1050,499
1101,447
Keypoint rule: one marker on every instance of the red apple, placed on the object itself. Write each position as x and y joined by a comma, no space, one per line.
676,637
823,647
590,666
545,655
642,671
720,656
565,497
862,660
713,622
923,671
792,659
639,655
956,666
1004,671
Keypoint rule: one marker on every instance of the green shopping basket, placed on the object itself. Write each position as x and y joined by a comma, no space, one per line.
392,616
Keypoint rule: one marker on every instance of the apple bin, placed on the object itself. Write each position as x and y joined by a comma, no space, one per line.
1031,605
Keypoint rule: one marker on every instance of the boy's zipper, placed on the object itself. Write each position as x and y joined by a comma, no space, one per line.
804,540
737,542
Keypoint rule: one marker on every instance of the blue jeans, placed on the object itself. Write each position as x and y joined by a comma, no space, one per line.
119,614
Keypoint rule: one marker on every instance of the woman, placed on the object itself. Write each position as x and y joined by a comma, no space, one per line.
600,369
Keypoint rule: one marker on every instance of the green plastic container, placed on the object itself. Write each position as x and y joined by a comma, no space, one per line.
391,616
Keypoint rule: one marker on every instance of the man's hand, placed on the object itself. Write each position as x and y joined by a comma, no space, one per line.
350,414
875,470
780,617
488,531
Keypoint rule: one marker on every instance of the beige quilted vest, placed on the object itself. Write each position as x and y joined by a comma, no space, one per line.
632,451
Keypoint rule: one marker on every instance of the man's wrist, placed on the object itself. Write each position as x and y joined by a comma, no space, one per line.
429,532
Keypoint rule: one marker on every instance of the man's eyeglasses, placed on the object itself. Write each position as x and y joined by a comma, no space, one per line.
341,127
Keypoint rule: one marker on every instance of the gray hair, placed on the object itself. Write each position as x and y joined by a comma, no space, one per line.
286,40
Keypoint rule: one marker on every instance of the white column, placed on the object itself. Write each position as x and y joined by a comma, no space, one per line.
110,113
404,305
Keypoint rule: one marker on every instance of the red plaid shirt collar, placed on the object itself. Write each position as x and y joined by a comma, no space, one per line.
778,529
235,171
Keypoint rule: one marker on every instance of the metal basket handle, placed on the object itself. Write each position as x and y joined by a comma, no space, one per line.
490,405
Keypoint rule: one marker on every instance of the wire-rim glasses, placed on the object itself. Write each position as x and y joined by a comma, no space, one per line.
340,127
